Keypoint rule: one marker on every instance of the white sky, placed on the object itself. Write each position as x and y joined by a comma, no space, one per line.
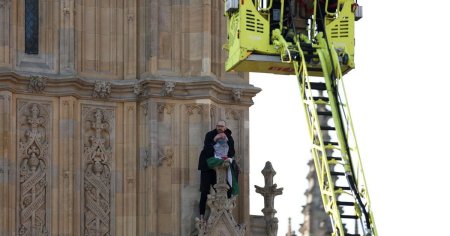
398,96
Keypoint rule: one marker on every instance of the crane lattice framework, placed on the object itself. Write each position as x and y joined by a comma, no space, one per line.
313,40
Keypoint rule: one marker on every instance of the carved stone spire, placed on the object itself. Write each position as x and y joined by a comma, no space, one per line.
269,191
289,228
290,232
221,220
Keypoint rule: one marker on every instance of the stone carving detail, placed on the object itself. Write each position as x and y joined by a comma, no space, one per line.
146,162
144,107
161,107
191,108
130,17
66,11
138,89
233,114
237,158
236,94
33,161
221,220
213,111
102,89
165,154
165,107
168,89
37,84
4,3
269,191
97,158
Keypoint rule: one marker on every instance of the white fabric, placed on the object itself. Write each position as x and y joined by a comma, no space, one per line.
229,175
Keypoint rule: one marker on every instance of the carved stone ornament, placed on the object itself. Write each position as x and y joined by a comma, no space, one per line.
269,192
168,89
66,11
37,84
144,108
33,161
138,89
213,112
165,155
237,159
190,108
161,107
221,220
97,158
102,89
130,17
164,110
146,158
232,114
236,94
4,3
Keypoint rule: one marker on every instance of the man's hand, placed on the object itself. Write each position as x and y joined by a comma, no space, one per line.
219,136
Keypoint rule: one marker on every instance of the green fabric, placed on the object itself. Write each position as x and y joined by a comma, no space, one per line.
214,162
235,188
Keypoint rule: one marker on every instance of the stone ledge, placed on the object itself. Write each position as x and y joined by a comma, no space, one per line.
130,90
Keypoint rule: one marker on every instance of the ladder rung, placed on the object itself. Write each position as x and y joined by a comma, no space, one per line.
324,113
342,187
318,86
341,203
327,128
349,217
335,158
337,173
325,99
330,143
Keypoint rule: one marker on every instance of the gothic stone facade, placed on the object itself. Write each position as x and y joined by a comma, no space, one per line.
103,119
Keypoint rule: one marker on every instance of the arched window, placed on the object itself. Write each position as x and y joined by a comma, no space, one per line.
32,26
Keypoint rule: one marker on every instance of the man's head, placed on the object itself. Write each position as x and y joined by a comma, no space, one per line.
221,126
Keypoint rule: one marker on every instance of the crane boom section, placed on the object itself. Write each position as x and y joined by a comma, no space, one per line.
314,42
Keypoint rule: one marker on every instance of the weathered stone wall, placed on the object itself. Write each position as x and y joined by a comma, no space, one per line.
119,39
87,162
101,130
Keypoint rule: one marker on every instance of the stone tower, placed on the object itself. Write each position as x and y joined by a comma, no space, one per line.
316,221
103,109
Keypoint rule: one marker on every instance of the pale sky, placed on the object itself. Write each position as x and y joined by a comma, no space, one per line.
398,96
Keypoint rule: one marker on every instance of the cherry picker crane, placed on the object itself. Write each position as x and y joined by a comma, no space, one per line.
313,40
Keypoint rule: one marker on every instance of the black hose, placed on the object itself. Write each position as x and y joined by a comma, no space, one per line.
350,179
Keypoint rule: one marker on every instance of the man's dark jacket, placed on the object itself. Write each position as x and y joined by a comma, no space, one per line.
208,148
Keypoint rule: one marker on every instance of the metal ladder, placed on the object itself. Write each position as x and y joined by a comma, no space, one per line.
334,149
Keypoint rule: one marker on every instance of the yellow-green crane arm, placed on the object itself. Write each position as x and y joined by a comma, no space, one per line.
315,42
